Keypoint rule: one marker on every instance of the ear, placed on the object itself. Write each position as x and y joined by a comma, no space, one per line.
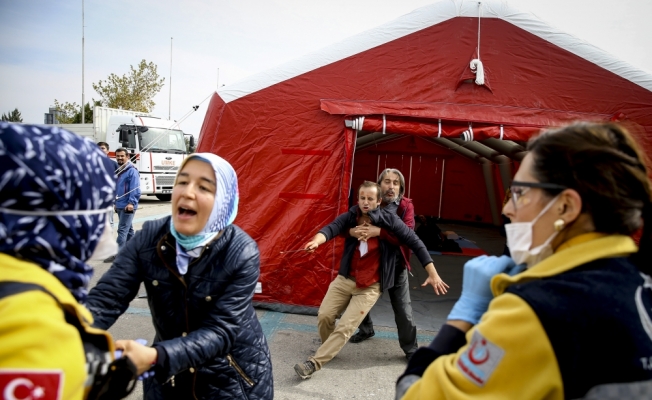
569,205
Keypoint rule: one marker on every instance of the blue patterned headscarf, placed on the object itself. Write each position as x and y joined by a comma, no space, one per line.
224,211
44,168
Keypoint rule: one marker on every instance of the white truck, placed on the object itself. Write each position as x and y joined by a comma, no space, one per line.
156,146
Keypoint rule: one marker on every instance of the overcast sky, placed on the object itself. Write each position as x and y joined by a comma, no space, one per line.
41,45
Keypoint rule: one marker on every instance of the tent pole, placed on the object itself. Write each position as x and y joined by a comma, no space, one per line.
410,179
378,166
441,188
491,190
505,168
355,144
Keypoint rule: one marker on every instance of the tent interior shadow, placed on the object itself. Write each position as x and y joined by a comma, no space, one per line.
430,310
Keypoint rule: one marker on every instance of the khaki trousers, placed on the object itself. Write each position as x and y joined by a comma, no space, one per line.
353,303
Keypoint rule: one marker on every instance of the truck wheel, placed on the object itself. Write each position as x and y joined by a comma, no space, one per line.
164,197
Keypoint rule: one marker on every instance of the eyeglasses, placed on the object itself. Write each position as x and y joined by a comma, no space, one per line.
518,189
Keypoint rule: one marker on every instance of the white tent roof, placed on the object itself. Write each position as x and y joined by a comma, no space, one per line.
426,17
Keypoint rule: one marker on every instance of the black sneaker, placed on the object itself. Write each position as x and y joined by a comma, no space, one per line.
110,259
305,370
361,337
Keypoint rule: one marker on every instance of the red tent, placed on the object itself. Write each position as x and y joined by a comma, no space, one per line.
404,95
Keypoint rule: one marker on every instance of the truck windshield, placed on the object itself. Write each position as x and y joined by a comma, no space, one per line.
163,140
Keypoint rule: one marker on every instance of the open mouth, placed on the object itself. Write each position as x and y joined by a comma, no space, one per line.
186,212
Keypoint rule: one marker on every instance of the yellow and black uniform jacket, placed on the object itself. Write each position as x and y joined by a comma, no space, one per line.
578,319
37,341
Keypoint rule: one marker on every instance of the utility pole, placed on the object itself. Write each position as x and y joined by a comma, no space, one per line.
82,104
170,100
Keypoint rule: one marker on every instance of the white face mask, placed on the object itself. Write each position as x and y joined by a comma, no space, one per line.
519,241
106,245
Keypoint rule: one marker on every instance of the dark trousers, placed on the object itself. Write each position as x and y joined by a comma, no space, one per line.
399,296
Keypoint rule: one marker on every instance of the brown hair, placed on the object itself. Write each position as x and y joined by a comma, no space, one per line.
369,184
605,165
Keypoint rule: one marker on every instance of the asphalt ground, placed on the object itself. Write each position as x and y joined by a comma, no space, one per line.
363,370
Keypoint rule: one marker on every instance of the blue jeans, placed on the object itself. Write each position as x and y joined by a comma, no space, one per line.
125,229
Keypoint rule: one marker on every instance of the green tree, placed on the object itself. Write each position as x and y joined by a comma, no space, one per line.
12,116
66,112
132,91
69,113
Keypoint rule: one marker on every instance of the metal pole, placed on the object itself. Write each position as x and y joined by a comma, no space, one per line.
170,100
441,187
83,117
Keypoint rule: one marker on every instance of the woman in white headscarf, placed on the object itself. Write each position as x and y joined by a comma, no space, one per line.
200,272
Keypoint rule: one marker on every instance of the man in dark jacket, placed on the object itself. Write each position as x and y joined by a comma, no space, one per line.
366,269
392,184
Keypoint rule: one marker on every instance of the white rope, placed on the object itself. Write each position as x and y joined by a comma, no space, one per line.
467,135
479,17
384,124
439,131
476,64
360,122
478,70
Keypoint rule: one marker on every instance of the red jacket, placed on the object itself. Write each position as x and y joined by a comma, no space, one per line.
405,211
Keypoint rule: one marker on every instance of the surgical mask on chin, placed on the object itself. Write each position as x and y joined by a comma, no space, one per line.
519,241
106,245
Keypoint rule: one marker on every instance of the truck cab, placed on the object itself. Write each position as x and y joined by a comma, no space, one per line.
156,147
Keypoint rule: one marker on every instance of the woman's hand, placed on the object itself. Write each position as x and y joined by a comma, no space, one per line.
142,356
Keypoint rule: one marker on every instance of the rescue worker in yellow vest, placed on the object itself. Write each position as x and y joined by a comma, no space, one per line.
57,191
578,320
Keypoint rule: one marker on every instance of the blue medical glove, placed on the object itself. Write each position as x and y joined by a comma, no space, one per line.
476,287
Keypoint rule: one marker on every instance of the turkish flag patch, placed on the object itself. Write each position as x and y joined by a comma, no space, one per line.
31,384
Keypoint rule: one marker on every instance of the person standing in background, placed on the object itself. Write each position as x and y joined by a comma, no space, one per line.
127,195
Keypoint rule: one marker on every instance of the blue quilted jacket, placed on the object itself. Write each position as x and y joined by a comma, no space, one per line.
210,343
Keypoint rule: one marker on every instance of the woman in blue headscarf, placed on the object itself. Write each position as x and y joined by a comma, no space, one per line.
56,192
200,272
